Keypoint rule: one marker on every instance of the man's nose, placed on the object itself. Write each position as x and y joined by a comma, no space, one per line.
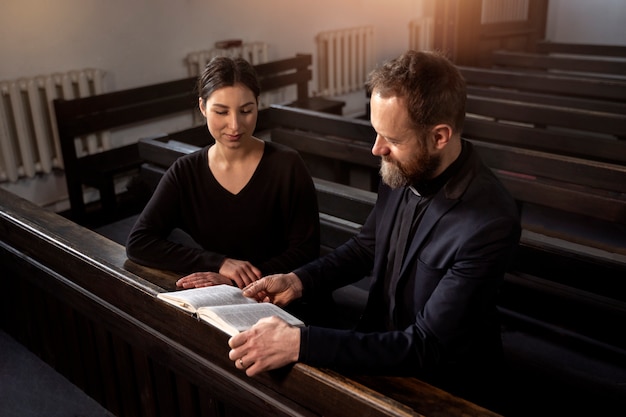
380,147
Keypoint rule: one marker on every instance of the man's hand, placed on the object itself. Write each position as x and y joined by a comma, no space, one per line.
202,279
279,289
269,344
242,272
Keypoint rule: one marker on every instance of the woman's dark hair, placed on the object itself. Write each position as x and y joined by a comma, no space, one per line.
432,85
224,71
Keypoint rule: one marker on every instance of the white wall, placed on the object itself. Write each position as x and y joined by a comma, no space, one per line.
145,41
584,21
139,42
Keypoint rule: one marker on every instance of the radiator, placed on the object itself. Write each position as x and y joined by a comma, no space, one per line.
421,34
344,59
253,52
499,11
29,143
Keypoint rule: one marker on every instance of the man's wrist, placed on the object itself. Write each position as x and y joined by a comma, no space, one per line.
296,285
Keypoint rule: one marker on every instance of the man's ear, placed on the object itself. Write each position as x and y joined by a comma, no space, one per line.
441,134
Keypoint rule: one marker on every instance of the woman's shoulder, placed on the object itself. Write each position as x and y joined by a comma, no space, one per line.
193,158
281,158
283,153
279,148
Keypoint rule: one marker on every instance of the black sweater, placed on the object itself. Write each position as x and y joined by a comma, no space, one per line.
273,222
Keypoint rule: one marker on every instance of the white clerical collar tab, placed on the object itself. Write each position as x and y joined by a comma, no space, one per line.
414,191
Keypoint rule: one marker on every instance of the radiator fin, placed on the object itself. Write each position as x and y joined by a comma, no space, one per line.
29,143
344,59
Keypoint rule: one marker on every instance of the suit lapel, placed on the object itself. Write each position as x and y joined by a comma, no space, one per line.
442,202
383,234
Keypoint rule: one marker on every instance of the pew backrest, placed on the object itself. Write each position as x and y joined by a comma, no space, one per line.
579,65
551,47
548,99
592,88
541,115
564,182
568,143
85,116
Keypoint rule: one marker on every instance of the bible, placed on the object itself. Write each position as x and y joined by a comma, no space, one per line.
225,307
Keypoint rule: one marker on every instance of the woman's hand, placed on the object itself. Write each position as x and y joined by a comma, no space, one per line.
241,272
202,279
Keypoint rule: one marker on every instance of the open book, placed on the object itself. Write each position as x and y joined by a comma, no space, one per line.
225,307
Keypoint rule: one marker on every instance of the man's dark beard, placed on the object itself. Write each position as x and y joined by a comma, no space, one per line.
422,168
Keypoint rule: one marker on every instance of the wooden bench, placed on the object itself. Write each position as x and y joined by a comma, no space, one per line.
560,64
587,306
95,318
565,229
574,117
568,48
552,190
511,93
286,72
299,129
547,83
566,143
540,115
86,116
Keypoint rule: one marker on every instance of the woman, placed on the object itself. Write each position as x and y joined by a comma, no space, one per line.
249,205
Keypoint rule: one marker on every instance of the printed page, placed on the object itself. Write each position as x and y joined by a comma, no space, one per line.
233,319
193,298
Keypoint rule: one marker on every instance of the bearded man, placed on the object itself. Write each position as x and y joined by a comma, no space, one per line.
437,245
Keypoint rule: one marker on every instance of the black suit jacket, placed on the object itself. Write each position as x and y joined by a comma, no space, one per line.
446,325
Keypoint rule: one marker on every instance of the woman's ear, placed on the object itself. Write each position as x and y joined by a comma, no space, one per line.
201,104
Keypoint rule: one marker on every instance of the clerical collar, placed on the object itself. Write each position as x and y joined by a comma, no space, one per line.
431,187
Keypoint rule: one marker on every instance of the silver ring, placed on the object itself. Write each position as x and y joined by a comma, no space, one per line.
241,362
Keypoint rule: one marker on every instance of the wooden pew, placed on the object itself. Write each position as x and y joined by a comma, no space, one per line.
575,126
86,116
94,317
567,143
553,190
507,93
503,157
581,120
560,64
297,70
581,322
547,83
557,215
559,188
539,115
568,184
551,47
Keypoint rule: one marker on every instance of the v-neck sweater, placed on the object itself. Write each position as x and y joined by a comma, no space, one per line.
273,222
